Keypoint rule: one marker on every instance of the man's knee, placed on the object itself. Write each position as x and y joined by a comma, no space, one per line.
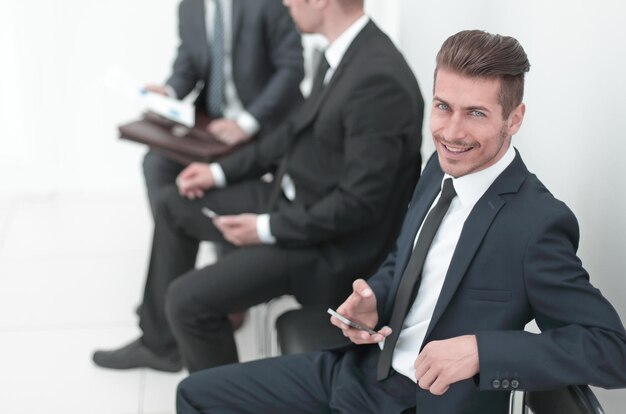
152,166
158,170
219,390
185,312
187,392
164,198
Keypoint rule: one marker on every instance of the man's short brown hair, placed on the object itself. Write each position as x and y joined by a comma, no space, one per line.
475,53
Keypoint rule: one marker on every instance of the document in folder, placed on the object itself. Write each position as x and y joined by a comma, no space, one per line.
173,140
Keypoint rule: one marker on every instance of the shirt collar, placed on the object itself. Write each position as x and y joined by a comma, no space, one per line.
469,188
335,51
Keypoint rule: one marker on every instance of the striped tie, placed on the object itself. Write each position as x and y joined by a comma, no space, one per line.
215,95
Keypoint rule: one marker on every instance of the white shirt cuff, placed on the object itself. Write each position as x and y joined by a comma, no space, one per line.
263,229
218,175
248,123
170,92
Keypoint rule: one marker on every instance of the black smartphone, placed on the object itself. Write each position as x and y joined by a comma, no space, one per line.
350,322
209,213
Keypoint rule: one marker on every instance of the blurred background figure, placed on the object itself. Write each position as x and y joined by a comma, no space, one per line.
246,56
348,160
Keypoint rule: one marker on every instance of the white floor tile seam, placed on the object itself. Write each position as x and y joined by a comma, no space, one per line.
78,327
83,256
142,391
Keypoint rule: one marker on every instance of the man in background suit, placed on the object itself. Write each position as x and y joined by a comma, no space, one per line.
260,68
494,250
348,159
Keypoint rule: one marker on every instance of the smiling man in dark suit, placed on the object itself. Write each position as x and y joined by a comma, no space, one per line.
484,249
347,161
248,56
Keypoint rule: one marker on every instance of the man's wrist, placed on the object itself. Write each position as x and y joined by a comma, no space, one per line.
219,178
248,123
263,229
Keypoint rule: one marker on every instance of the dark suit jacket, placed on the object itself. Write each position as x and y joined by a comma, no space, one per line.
267,57
515,261
353,155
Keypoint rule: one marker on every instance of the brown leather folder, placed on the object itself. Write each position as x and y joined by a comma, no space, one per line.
173,140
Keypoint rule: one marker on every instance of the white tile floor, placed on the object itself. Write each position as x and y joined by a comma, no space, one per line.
72,268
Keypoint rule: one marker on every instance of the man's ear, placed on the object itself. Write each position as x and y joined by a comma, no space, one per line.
515,119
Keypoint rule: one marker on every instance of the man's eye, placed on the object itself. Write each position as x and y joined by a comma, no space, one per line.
477,113
442,106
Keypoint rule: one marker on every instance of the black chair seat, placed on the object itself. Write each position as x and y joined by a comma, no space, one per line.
575,399
307,329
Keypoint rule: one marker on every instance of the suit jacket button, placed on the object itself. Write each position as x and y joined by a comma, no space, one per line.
495,383
514,384
505,384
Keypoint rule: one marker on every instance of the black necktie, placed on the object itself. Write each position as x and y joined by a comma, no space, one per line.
215,92
320,74
409,284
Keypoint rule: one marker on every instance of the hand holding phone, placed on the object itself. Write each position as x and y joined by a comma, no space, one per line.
209,213
350,322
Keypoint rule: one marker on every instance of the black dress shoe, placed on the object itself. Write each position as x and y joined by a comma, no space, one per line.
136,355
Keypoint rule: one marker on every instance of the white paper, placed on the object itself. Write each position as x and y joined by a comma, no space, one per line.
182,112
178,111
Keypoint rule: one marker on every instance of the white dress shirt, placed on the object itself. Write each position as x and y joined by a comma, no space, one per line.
333,54
469,189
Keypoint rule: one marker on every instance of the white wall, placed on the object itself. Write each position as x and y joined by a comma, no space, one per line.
58,120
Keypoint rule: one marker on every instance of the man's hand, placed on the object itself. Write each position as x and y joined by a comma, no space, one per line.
227,131
160,89
442,363
240,230
194,180
361,307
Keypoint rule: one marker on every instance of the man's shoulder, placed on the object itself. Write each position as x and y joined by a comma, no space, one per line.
538,197
375,58
187,8
373,43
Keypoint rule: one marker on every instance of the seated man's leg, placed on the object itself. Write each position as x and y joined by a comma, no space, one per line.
320,382
198,303
287,385
159,172
179,227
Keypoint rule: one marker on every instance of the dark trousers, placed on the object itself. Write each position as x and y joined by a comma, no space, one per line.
314,383
196,302
159,172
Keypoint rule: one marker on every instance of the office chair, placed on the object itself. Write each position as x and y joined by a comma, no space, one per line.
574,399
307,329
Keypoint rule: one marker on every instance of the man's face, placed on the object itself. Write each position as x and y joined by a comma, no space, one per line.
304,14
466,122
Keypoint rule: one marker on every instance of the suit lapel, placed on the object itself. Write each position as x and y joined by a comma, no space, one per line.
428,186
417,211
474,230
359,41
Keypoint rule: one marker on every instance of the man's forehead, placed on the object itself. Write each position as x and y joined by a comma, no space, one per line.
470,90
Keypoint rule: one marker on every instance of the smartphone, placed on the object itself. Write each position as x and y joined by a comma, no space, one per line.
209,213
350,322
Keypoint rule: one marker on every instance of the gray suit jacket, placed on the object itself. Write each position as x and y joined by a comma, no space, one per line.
267,57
